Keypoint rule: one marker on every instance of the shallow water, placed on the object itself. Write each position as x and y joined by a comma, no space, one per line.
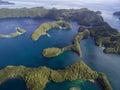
67,85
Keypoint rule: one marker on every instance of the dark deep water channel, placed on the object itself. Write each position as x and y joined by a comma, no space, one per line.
23,51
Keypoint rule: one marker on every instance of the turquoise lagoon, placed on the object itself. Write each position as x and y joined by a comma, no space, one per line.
23,51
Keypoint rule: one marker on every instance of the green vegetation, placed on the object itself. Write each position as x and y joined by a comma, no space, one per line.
106,37
42,29
15,34
37,78
82,16
51,52
104,83
75,46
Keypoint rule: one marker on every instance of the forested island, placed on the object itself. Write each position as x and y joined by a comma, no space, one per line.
103,34
43,28
91,24
37,78
75,46
15,34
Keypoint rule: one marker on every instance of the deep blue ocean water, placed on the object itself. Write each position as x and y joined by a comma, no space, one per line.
23,51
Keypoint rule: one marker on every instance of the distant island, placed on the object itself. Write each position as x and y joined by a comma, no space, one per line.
43,28
75,46
37,78
15,34
117,14
5,3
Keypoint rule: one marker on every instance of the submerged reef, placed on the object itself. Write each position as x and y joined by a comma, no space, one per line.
15,34
43,28
37,78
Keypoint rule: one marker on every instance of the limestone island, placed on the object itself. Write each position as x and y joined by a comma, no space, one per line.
37,78
105,36
15,34
75,46
43,28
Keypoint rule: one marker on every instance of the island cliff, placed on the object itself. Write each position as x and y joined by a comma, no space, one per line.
37,78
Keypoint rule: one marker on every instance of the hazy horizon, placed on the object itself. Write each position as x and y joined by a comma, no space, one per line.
58,3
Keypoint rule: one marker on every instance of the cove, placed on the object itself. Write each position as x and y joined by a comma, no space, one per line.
23,51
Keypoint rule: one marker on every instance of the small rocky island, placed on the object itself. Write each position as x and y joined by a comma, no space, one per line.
43,28
15,34
37,78
75,46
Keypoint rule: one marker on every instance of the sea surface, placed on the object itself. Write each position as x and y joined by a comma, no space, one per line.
23,51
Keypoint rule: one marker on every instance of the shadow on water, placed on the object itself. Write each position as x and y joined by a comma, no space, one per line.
13,84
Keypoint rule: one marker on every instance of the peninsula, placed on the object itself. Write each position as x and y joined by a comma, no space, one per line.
43,28
75,46
15,34
37,78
